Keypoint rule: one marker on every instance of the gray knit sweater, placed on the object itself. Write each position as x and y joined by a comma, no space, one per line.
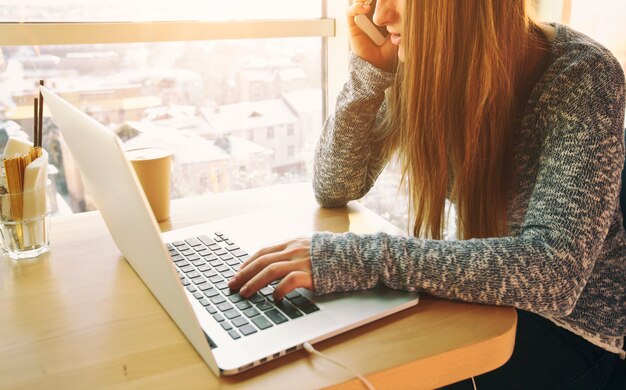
565,257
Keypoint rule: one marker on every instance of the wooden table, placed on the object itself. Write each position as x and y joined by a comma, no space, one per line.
79,317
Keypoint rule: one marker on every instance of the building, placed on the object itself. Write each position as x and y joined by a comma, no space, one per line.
199,165
269,123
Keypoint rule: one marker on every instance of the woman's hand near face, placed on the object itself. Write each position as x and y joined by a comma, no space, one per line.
383,57
289,261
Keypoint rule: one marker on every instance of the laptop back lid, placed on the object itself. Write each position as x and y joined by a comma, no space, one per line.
110,179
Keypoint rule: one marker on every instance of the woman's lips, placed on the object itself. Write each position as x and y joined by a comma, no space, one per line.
396,39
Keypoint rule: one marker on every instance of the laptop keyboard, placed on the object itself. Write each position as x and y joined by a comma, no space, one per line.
206,263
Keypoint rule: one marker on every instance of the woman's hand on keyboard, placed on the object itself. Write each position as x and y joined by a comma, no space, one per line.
289,261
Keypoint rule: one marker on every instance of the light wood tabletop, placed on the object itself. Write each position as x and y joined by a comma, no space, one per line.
79,317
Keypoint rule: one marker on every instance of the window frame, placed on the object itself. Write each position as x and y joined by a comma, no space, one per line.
329,27
70,33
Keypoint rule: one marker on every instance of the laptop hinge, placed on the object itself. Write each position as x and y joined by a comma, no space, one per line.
211,343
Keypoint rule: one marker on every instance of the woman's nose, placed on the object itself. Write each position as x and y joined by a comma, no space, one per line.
385,12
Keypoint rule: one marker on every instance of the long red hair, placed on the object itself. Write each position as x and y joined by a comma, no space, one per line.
453,110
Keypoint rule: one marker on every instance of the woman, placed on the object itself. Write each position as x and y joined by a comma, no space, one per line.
521,126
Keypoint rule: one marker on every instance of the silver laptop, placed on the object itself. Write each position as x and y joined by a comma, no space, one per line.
187,269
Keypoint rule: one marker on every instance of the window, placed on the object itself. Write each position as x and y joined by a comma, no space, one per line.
198,76
604,21
155,10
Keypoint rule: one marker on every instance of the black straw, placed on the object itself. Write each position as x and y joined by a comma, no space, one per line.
40,127
35,121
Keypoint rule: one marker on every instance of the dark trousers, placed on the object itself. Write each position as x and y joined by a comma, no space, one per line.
547,356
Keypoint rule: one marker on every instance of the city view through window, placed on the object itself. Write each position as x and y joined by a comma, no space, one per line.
237,114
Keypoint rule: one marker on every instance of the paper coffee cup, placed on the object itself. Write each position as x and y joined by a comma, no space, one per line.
153,166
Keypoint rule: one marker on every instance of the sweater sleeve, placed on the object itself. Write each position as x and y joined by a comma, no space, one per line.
545,267
347,161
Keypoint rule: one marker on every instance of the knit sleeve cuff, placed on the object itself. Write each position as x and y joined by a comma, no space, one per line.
367,78
337,266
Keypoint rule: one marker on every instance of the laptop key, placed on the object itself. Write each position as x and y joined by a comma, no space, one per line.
186,282
198,280
181,263
222,285
293,294
204,302
226,256
198,295
232,247
222,268
220,251
199,262
230,314
178,243
211,273
243,305
193,256
187,252
239,253
256,298
261,322
267,290
204,252
214,246
206,240
187,268
264,305
288,309
192,242
224,306
233,262
216,262
226,325
204,267
210,257
193,274
229,273
247,330
176,257
216,279
218,317
234,298
240,321
192,288
204,286
308,309
228,292
300,301
251,312
211,309
211,292
234,334
276,316
217,299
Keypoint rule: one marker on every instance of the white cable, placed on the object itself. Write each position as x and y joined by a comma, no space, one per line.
474,383
314,351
